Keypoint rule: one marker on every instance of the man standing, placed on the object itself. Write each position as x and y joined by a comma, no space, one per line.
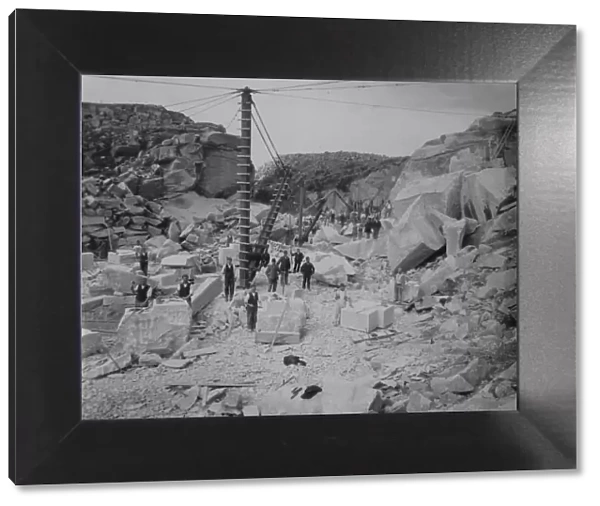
234,309
341,299
368,227
229,279
184,289
401,280
298,256
142,292
307,270
284,265
272,273
376,227
142,256
252,308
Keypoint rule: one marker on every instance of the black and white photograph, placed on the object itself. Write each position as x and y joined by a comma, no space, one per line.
261,247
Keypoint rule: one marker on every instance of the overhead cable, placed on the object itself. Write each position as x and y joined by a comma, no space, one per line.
457,113
148,81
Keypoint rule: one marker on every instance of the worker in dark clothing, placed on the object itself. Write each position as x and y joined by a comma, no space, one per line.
376,227
252,308
142,292
184,289
298,256
284,265
142,256
307,270
265,258
229,279
369,227
272,273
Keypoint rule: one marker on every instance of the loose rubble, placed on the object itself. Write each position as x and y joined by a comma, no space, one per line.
447,342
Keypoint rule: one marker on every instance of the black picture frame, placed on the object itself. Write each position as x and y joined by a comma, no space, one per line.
50,50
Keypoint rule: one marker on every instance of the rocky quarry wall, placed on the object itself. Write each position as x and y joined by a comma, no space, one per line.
146,142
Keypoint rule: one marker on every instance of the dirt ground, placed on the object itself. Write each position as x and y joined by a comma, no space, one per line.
402,359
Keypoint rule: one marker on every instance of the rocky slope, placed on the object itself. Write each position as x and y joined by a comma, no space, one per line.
139,143
330,170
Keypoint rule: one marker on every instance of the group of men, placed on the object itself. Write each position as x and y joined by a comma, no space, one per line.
279,270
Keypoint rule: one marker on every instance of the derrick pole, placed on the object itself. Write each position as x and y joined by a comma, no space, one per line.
244,181
300,213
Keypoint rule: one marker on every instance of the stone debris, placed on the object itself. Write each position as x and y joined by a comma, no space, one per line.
91,342
165,325
108,366
175,363
202,352
189,398
417,403
450,334
150,360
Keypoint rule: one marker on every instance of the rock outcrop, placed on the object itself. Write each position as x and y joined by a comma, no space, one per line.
158,152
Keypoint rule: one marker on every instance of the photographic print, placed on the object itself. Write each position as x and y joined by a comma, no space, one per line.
274,247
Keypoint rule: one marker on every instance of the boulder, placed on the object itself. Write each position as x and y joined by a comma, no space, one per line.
492,261
476,371
164,326
155,242
454,234
483,191
150,360
108,366
118,277
497,281
330,273
174,231
180,176
442,193
432,281
152,188
87,261
503,225
168,248
91,342
414,240
357,250
417,403
459,385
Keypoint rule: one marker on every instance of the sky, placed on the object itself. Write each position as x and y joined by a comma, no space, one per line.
309,118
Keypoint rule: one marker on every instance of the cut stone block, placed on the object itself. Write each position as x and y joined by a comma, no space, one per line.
385,316
289,329
122,257
91,342
117,301
87,261
364,320
231,251
205,292
179,261
92,303
164,279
